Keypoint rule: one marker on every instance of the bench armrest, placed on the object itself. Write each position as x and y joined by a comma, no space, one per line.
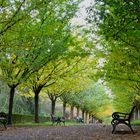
119,115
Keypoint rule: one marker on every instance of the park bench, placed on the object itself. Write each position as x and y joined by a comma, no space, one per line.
57,120
3,119
79,120
122,118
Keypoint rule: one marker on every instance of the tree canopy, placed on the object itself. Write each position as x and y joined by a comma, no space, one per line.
117,24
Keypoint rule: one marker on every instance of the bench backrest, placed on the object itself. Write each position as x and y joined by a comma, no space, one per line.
131,112
53,117
2,114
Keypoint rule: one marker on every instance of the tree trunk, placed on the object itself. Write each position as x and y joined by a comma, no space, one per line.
36,98
92,119
86,118
78,109
53,107
89,118
64,109
12,92
83,112
138,112
71,112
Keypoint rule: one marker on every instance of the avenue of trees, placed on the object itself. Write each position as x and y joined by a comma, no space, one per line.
42,55
118,29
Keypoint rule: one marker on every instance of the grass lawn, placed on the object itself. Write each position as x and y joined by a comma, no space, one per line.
135,122
67,123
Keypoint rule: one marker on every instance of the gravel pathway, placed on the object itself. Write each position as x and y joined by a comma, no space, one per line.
79,132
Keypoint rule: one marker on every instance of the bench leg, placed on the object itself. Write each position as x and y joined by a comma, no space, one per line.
129,125
113,125
4,123
5,126
58,122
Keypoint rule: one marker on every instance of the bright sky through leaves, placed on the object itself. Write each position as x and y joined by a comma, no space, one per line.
82,14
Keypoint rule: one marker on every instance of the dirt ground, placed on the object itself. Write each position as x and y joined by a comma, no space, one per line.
79,132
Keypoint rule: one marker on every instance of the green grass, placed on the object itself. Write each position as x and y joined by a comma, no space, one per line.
33,124
67,123
136,122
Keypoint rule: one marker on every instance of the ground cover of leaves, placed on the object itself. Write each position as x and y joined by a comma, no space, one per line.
77,132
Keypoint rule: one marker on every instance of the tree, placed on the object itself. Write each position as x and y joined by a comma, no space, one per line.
12,12
117,26
62,65
25,45
68,77
95,100
122,94
64,40
64,100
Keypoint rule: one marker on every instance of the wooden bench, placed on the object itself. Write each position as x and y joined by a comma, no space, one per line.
3,119
122,118
57,120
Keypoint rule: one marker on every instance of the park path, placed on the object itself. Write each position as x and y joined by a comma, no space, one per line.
79,132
